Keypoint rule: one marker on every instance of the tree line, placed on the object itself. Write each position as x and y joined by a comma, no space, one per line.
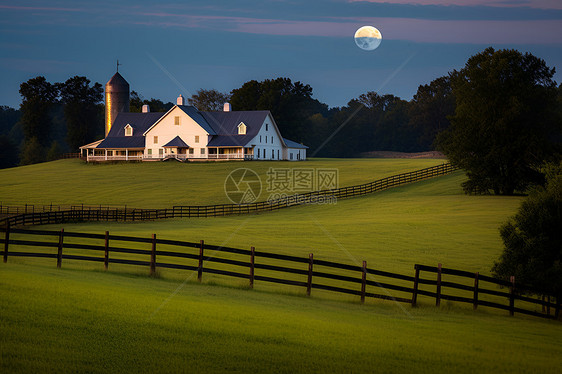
60,117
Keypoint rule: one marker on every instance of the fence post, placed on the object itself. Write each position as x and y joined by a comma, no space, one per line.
512,295
153,256
416,280
363,281
475,297
6,240
106,259
252,256
309,280
548,306
557,310
59,252
438,293
200,269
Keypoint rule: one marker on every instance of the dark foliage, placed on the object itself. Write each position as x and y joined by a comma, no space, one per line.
533,239
209,100
505,123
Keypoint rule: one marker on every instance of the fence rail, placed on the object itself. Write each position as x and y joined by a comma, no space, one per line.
49,214
253,265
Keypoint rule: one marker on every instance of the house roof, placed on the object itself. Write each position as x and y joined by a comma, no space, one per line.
292,144
140,122
122,142
230,140
176,142
198,117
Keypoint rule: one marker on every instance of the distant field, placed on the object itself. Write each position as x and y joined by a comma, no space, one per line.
93,322
164,184
426,222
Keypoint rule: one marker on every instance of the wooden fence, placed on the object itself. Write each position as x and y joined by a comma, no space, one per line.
254,265
49,214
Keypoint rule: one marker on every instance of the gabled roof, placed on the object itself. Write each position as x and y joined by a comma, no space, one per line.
140,122
292,144
192,112
92,145
226,123
176,142
122,142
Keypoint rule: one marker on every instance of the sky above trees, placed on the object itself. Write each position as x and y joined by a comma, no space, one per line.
179,47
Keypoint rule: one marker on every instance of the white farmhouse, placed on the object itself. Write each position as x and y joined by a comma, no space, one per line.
186,134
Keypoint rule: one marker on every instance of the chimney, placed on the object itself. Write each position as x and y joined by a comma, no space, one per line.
145,108
180,100
227,107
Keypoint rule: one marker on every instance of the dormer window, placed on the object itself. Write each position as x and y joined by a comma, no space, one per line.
242,128
128,130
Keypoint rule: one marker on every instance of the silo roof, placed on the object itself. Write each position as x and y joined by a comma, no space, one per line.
117,81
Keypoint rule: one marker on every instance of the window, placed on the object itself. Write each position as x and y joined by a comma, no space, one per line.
177,120
266,140
266,127
242,128
291,155
128,130
272,153
272,140
260,138
196,138
155,140
278,154
190,151
258,153
202,151
161,151
149,151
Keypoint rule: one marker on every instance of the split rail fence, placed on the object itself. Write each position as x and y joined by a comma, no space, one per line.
153,253
53,214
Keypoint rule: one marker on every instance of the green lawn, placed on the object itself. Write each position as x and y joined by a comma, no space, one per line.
65,320
426,222
164,184
81,319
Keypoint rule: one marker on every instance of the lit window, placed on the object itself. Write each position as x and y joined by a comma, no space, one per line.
128,130
177,120
155,140
242,128
202,151
196,138
149,151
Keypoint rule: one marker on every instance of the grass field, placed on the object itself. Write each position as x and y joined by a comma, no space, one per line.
162,185
91,322
81,319
426,222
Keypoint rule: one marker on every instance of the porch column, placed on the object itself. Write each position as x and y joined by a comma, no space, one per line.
126,154
106,154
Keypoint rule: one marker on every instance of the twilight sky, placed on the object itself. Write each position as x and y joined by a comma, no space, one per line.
182,46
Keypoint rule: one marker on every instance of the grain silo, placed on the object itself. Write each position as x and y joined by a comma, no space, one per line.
116,99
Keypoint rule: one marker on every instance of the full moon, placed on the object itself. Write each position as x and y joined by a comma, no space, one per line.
368,38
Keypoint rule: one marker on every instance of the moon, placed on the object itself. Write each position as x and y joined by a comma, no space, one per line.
368,38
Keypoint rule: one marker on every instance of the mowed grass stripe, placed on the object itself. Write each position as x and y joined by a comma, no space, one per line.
67,320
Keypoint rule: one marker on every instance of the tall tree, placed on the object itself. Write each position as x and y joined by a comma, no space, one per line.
82,112
208,100
429,109
8,152
38,98
505,120
533,239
